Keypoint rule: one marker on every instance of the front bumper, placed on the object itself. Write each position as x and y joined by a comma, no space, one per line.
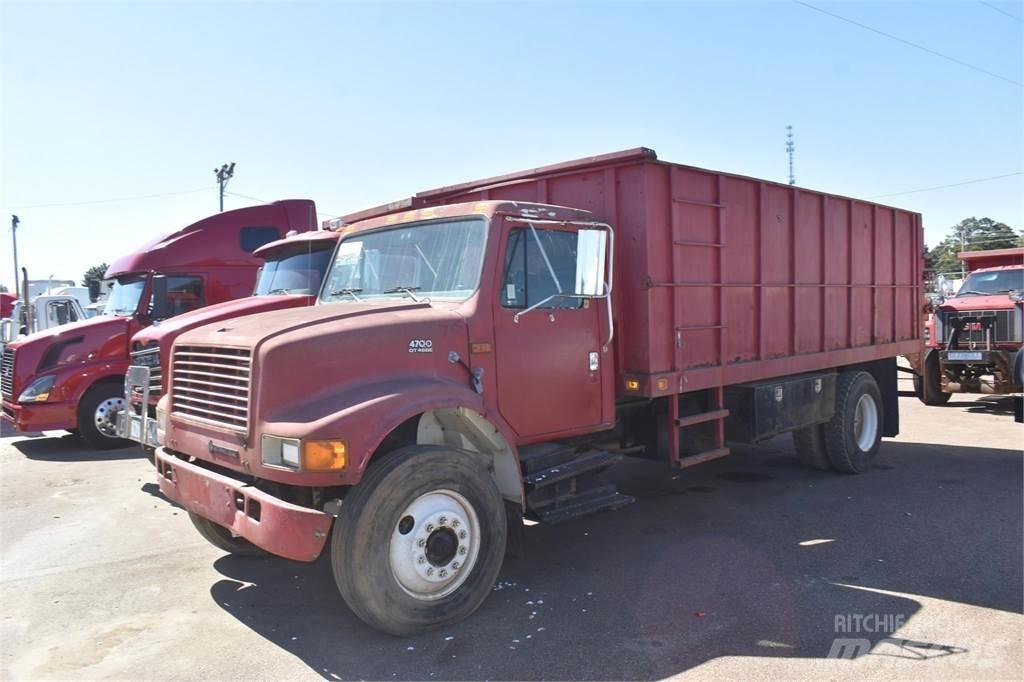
31,417
279,527
136,422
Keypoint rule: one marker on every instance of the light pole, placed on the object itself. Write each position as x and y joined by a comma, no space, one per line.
14,236
224,173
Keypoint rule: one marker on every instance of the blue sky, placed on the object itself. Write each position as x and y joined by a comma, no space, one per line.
353,105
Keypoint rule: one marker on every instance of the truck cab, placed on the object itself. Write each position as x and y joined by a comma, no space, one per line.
71,377
973,336
290,277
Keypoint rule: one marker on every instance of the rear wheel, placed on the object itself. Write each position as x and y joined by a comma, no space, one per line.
419,542
854,433
221,538
97,416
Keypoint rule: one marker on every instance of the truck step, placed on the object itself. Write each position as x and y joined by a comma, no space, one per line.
535,458
701,457
582,504
591,461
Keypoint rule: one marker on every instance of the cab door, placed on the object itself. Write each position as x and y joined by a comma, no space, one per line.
548,361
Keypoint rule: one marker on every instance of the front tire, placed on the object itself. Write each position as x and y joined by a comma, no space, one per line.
97,416
928,385
854,434
221,538
419,542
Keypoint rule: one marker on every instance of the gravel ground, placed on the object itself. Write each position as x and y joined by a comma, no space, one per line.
747,567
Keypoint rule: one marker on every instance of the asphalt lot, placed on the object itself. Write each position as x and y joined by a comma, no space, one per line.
745,567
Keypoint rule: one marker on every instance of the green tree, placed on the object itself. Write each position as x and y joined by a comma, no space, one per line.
92,278
3,289
971,234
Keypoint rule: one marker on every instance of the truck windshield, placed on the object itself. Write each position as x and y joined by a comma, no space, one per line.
992,282
438,260
295,269
124,296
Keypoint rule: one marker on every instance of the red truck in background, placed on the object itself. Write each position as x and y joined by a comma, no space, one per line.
973,339
72,377
7,301
481,353
290,277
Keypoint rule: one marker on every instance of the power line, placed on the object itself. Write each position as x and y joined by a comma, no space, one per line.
1012,16
955,184
911,44
107,201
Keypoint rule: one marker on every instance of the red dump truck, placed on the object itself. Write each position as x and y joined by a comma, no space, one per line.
973,339
72,377
481,353
290,277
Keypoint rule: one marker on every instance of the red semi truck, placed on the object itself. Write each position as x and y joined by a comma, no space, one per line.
72,377
484,355
973,340
290,277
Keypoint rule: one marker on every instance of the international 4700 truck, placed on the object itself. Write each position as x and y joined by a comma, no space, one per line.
973,339
290,277
72,377
480,353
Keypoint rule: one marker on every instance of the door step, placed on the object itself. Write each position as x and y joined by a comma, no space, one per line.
562,483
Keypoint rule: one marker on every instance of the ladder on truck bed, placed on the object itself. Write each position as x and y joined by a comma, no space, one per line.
677,423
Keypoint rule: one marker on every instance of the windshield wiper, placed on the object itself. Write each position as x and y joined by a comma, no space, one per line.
405,290
348,291
971,292
275,292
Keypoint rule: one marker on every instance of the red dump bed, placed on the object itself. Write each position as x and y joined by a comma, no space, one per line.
720,278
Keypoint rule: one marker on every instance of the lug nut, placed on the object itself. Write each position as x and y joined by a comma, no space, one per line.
455,565
430,528
462,534
443,573
430,571
443,520
422,560
421,542
462,550
455,523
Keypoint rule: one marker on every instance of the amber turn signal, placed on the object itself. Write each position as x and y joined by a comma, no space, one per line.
323,455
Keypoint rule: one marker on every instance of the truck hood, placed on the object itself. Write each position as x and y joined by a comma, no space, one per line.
164,333
969,303
100,338
301,355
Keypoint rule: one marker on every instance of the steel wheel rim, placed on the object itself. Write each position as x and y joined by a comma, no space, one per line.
865,422
434,545
105,416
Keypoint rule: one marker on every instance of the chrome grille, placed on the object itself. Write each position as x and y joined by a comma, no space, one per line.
211,384
150,357
7,373
1007,328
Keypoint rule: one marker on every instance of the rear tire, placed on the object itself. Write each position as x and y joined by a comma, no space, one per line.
854,433
97,416
419,542
221,538
809,443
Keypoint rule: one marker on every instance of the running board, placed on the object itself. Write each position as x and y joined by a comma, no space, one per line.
562,483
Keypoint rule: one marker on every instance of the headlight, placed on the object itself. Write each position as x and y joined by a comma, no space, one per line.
313,455
1017,295
38,390
936,299
161,418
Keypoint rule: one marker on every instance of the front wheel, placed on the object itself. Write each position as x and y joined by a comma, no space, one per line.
419,542
221,538
928,385
97,416
853,435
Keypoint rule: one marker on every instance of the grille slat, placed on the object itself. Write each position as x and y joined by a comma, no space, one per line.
150,357
7,373
211,385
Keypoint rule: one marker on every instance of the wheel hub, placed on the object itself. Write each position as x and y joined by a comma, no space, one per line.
865,422
105,416
434,544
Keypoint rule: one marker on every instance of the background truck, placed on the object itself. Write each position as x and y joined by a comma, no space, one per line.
290,277
973,339
72,377
484,356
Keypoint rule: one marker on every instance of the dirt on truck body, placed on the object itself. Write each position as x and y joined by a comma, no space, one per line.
480,354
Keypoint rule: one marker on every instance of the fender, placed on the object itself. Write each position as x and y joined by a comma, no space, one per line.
73,381
363,416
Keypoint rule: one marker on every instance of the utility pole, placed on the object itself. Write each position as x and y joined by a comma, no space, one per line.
14,236
790,148
963,247
224,173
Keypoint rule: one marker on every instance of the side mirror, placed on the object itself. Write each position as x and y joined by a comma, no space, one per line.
591,250
158,306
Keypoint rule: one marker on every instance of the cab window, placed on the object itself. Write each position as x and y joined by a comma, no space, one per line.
530,277
184,293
